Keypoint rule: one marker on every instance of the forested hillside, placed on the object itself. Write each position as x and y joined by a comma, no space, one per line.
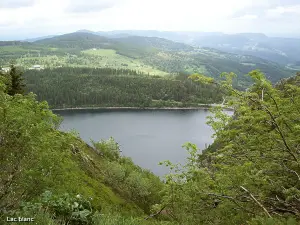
56,178
277,49
76,41
86,87
152,55
213,62
85,40
251,176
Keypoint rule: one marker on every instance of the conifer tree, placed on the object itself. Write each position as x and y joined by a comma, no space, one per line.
16,84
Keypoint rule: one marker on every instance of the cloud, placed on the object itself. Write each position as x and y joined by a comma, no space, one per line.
16,3
274,16
248,17
281,11
263,7
231,16
83,6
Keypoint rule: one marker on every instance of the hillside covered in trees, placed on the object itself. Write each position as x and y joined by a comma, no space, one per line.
250,176
156,56
86,87
56,178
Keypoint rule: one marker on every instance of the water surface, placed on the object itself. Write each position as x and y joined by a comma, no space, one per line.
147,136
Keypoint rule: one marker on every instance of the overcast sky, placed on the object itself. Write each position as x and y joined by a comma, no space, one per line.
30,18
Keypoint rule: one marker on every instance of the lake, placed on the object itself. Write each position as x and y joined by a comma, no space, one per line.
147,136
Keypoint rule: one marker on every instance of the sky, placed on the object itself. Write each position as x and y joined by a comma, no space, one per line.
20,19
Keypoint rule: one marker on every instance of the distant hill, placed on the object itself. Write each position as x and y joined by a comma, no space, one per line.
80,40
88,39
86,31
87,49
38,38
153,43
11,43
213,62
277,49
175,57
281,50
294,80
131,46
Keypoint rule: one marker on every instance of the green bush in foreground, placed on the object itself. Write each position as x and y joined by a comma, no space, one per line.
73,210
36,157
252,177
131,181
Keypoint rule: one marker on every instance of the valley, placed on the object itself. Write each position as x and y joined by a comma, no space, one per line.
131,128
150,55
281,50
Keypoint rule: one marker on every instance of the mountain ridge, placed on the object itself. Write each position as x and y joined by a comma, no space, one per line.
282,50
159,53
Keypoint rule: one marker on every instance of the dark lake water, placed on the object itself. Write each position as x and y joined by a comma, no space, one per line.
148,137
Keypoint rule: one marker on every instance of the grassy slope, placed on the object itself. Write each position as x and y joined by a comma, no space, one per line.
109,58
82,173
37,157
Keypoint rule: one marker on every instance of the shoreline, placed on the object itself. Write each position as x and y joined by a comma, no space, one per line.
206,107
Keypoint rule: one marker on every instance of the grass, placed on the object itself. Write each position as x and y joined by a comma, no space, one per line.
89,58
111,219
109,58
101,52
84,170
196,69
44,217
147,60
15,49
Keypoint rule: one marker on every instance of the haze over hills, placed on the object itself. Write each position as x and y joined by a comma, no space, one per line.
282,50
278,49
38,38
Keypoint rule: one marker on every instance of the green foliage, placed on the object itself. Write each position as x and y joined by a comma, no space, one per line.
35,156
108,58
250,177
15,84
40,164
129,180
76,41
108,148
273,221
26,127
253,173
115,219
86,87
201,79
212,63
65,208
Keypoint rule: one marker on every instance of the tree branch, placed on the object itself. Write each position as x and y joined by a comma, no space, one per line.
156,214
257,202
232,199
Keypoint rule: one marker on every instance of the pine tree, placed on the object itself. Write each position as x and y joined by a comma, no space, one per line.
16,85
